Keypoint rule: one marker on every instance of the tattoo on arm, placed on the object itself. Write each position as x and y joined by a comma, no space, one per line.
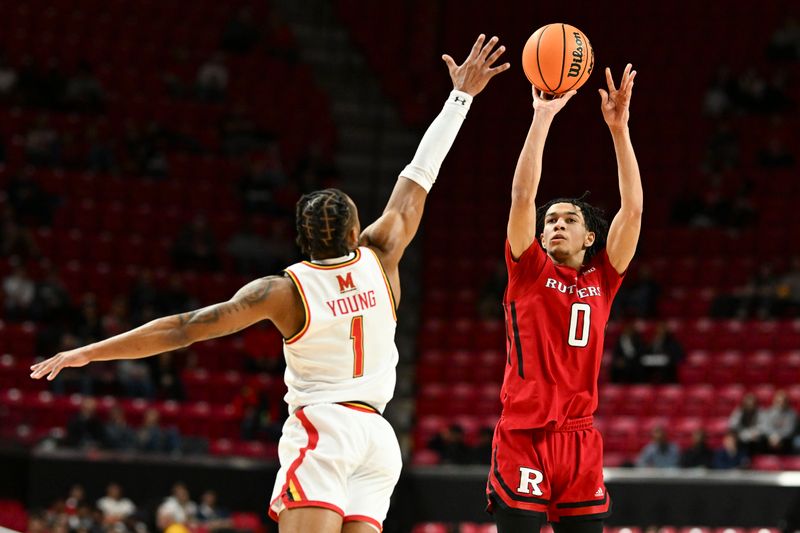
245,298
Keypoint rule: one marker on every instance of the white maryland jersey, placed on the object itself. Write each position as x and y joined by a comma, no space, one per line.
345,351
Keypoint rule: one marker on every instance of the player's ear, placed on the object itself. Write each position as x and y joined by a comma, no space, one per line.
541,239
589,240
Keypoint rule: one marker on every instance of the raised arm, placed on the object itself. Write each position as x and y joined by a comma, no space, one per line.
522,217
271,298
393,231
623,235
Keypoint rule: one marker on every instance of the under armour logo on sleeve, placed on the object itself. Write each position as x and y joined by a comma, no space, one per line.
460,100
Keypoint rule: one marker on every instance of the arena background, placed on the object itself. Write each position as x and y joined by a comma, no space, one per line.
154,151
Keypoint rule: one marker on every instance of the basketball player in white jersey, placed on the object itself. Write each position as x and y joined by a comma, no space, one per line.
340,459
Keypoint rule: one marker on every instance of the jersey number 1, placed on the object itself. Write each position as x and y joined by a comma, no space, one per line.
580,313
357,334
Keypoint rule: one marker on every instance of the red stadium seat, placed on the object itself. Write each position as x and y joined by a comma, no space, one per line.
430,527
425,458
766,462
698,400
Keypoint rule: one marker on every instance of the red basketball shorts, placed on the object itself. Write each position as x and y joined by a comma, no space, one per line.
558,473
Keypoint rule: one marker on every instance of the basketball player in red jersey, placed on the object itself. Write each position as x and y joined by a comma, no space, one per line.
340,460
547,460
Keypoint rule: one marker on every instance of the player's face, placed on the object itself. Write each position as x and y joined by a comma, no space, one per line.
564,233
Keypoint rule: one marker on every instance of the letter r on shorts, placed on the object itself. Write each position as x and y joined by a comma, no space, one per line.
528,485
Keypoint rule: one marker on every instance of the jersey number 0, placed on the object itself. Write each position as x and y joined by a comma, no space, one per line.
580,313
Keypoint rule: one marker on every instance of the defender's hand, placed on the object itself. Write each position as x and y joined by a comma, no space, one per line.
475,72
615,103
51,367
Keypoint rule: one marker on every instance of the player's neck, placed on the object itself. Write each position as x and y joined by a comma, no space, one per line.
574,262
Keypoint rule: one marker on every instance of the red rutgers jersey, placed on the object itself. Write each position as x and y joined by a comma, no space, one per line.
555,325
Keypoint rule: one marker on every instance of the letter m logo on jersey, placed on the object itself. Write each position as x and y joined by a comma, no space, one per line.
346,283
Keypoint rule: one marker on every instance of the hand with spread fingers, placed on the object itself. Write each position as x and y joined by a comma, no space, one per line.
51,367
615,103
475,72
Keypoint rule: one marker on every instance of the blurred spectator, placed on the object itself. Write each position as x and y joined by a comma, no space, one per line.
482,450
83,91
8,79
717,101
698,454
254,408
723,148
115,321
249,251
115,508
778,424
745,422
43,144
450,445
32,204
259,185
101,152
240,33
660,363
315,170
177,509
134,377
279,39
756,299
212,78
143,296
490,305
209,515
118,434
85,430
788,291
19,291
775,155
75,499
195,248
785,41
151,437
166,375
88,324
640,298
52,301
730,455
16,240
240,133
659,453
752,88
626,365
175,298
52,86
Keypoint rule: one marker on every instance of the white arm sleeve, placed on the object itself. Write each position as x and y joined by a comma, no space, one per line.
437,141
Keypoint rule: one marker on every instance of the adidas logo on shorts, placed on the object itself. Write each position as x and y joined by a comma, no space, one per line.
599,493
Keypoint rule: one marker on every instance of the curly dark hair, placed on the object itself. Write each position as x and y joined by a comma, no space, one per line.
594,218
323,219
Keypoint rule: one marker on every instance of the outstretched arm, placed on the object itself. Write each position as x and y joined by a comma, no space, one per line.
522,217
623,235
261,299
393,231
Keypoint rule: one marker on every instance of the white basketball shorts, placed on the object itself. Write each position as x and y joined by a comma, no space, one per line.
342,457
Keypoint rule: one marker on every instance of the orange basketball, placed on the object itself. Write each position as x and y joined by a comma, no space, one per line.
558,58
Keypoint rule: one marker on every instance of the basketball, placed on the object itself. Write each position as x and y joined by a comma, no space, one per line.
558,58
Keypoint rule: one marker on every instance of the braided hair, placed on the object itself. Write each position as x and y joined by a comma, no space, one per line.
323,219
594,218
